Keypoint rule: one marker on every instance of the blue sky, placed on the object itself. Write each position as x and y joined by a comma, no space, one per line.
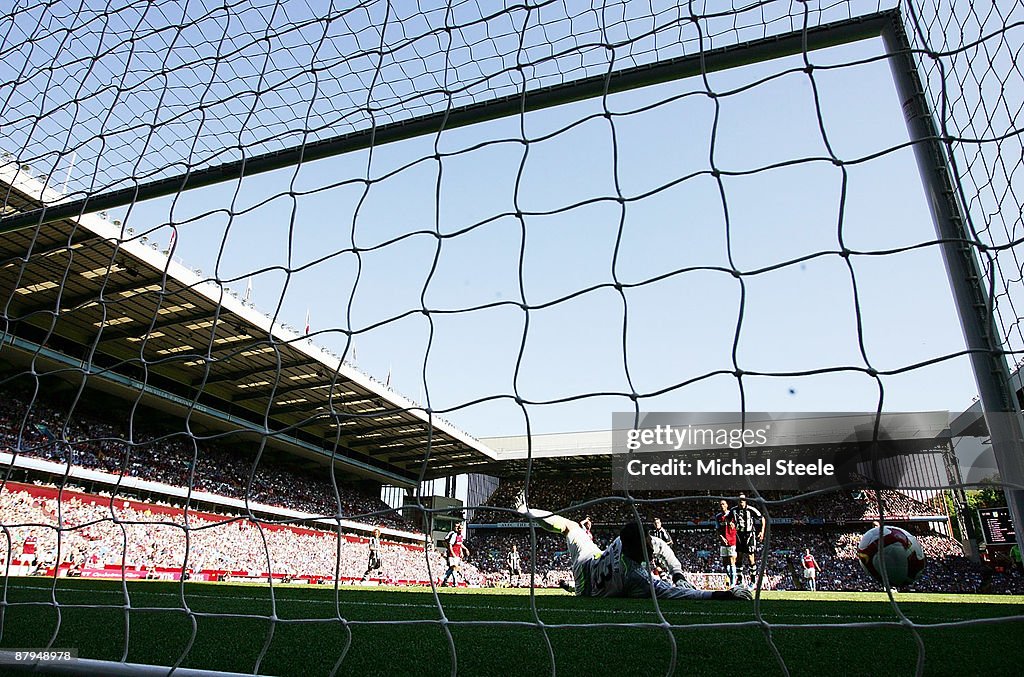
800,317
779,198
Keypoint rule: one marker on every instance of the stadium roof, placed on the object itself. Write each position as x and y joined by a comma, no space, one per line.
591,452
86,298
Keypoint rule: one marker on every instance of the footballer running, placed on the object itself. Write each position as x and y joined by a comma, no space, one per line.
621,569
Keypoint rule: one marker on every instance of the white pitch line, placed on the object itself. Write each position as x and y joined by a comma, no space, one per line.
666,605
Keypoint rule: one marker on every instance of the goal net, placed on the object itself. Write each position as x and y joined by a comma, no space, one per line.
273,274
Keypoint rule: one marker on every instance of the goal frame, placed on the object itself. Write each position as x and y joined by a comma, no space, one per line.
972,299
932,153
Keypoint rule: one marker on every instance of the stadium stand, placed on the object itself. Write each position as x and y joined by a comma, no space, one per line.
949,570
596,496
830,525
94,443
101,534
152,543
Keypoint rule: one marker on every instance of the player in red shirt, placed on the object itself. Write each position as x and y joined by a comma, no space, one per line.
623,569
810,570
725,528
456,551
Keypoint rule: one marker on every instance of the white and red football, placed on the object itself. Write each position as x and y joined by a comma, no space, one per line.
897,551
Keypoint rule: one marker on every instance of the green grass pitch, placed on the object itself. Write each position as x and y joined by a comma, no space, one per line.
497,632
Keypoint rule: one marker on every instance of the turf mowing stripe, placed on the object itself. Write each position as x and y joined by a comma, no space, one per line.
412,605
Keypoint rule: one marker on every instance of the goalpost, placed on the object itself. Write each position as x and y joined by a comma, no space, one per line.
480,198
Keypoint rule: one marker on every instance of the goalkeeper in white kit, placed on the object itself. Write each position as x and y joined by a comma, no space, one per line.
621,570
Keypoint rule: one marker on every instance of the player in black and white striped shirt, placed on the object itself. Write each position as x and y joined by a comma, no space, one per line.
661,532
373,562
514,568
749,532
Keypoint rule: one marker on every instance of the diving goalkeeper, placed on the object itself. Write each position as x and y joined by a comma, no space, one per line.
621,569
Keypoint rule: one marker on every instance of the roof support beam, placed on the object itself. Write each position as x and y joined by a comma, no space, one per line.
255,371
667,70
170,321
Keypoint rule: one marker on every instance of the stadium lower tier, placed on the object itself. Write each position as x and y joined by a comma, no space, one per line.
74,533
947,568
47,531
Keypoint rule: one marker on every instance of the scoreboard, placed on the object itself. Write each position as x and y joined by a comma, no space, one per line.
997,526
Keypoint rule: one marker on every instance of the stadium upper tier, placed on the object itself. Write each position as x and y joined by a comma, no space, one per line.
786,435
595,496
157,454
91,303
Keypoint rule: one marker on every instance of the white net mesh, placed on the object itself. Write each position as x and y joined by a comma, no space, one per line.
262,259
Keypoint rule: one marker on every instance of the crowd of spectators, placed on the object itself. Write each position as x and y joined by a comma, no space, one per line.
835,549
576,497
828,524
169,457
98,531
856,504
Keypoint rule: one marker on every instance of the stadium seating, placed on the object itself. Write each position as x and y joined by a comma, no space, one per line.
595,496
948,569
829,525
149,539
159,456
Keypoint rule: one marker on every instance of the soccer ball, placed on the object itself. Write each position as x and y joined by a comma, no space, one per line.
898,551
